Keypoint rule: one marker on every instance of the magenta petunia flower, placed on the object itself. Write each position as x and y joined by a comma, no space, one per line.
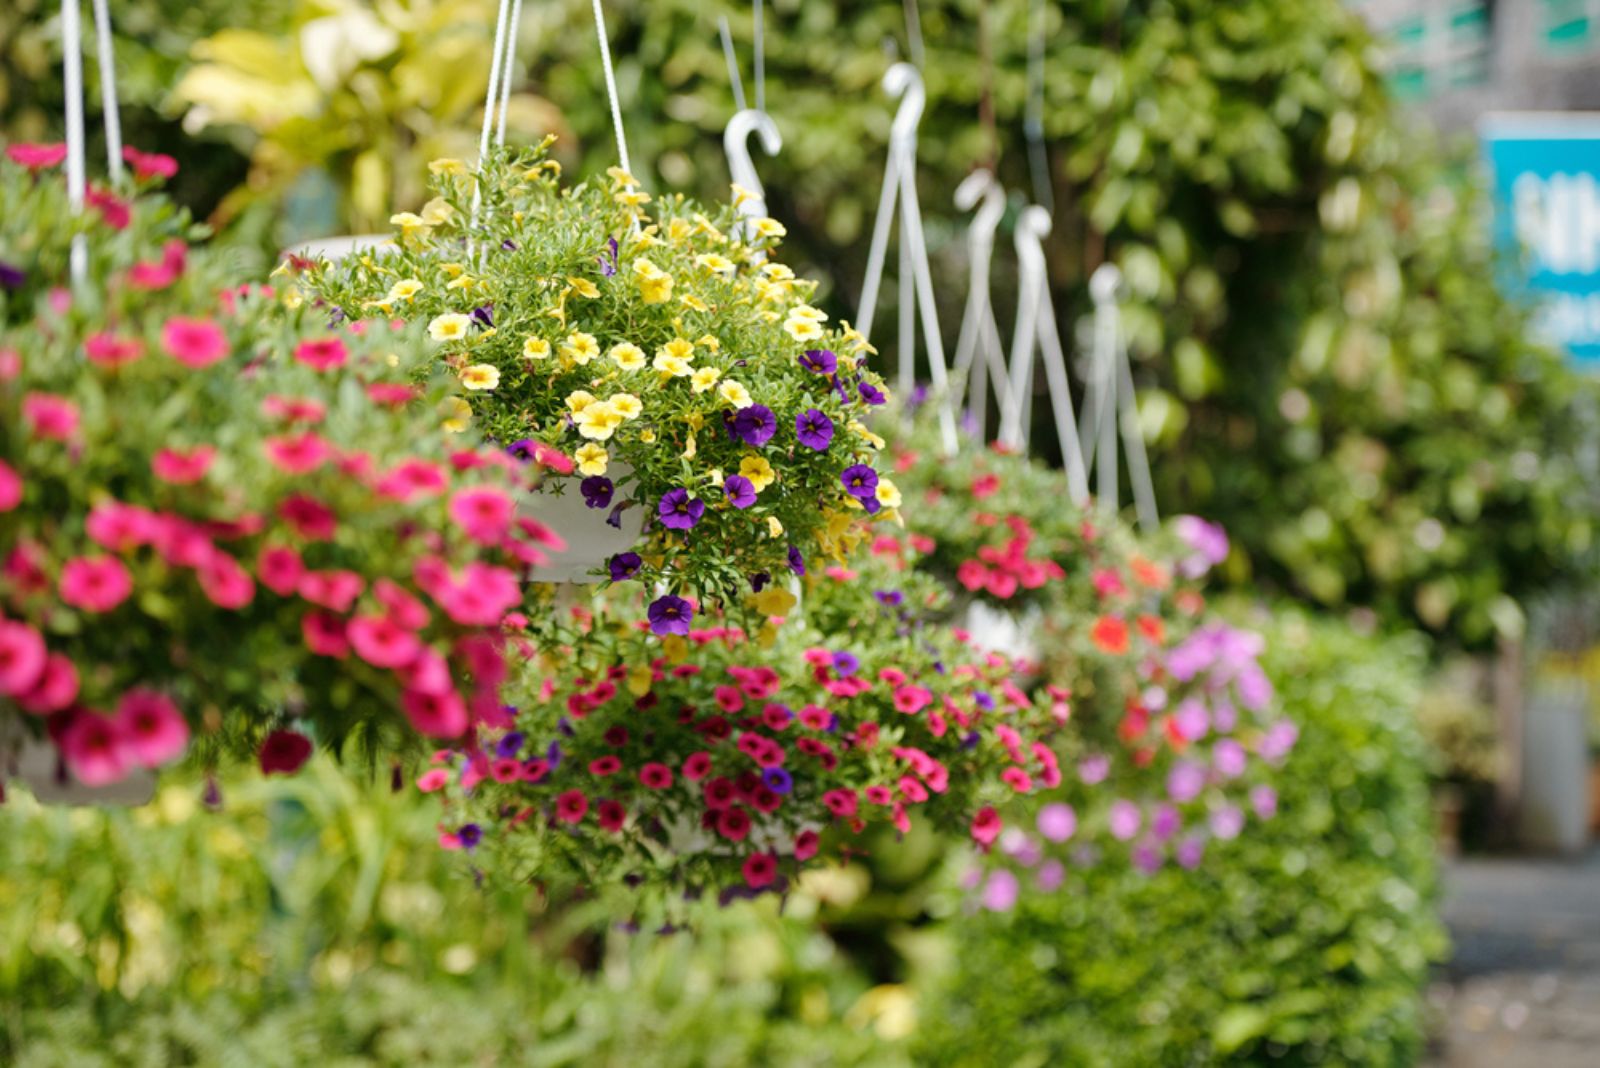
94,750
1124,820
1057,822
152,729
22,658
95,584
285,752
759,870
195,343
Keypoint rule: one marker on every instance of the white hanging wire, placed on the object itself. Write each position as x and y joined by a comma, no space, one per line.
506,69
1112,403
914,32
732,60
761,56
502,23
980,354
72,75
916,279
1033,115
611,87
108,89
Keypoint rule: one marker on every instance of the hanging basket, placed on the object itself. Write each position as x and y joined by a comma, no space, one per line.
591,539
38,765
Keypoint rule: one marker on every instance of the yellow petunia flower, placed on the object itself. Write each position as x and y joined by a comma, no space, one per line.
406,289
714,263
774,528
774,601
741,194
597,422
583,287
626,405
438,211
679,347
735,394
766,227
536,348
454,270
591,458
446,165
704,379
806,311
888,493
778,272
631,198
676,366
655,285
709,343
465,282
758,471
802,329
678,231
689,300
457,415
451,326
628,356
579,399
647,436
409,223
481,376
860,430
580,348
706,227
690,449
621,177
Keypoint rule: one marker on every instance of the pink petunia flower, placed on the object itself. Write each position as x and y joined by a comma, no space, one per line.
435,715
432,780
95,584
49,417
611,816
93,749
195,343
109,350
806,844
35,156
986,826
280,569
483,512
148,165
152,729
324,634
298,455
309,517
181,467
322,354
22,658
294,409
759,870
10,487
225,582
56,689
571,806
336,590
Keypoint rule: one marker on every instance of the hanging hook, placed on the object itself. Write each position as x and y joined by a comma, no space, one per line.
735,142
904,83
978,327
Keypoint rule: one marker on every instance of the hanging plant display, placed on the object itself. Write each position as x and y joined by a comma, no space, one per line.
226,523
717,419
722,759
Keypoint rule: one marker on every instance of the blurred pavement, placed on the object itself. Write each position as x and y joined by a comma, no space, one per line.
1523,989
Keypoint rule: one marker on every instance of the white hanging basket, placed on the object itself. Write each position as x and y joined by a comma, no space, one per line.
37,765
337,248
997,631
591,541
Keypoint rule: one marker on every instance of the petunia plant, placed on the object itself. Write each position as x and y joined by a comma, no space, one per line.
721,759
709,407
226,520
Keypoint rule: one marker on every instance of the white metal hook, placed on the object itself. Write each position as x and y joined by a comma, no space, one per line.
1111,400
979,331
904,83
736,144
1105,284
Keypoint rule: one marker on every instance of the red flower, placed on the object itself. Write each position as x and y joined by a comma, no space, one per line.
733,823
571,806
697,766
149,164
656,776
284,752
612,815
606,765
1110,635
760,869
805,845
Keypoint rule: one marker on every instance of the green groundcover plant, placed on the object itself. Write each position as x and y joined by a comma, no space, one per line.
1305,941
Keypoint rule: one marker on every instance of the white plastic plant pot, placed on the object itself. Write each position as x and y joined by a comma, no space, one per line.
997,631
36,764
591,541
337,248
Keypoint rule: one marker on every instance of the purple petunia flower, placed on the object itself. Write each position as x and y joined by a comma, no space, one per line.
759,580
1185,781
1226,822
777,780
523,450
11,277
554,755
596,491
510,745
1190,851
470,835
740,490
624,566
508,245
484,314
819,361
1124,820
1057,821
860,481
670,615
608,259
871,393
892,598
755,425
797,563
678,511
814,429
846,663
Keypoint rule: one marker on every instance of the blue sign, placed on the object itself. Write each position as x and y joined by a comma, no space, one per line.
1546,168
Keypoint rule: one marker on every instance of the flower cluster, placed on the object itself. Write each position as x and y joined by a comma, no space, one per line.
721,758
709,407
221,519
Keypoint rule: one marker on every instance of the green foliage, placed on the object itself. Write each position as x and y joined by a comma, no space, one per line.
313,920
1306,940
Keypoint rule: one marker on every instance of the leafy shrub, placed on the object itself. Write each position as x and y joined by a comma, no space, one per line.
1305,941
